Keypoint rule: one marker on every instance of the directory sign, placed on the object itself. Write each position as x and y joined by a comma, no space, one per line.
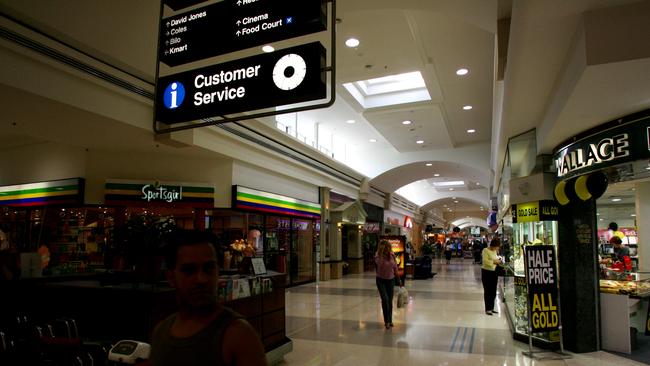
291,75
233,25
542,282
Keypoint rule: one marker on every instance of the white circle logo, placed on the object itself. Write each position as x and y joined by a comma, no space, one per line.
289,71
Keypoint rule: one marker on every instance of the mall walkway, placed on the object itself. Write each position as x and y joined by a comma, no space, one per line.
339,322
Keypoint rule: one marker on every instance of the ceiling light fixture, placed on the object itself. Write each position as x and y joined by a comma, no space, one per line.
350,121
451,189
419,142
352,42
467,107
471,130
462,71
373,140
449,183
436,175
407,122
478,184
268,48
616,199
429,164
633,215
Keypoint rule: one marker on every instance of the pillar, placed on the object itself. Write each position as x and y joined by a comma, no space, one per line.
355,253
324,253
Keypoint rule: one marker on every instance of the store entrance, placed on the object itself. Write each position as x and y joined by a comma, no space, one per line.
289,248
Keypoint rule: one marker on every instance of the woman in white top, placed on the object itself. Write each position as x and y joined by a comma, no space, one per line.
489,276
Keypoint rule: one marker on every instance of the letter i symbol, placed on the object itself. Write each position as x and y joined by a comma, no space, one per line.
173,95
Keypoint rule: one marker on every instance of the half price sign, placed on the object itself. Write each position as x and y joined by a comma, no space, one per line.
541,278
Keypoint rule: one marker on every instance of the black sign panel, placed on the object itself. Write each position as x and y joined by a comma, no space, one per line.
541,278
292,75
620,144
181,4
233,25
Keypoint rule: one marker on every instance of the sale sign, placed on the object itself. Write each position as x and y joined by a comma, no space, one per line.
542,282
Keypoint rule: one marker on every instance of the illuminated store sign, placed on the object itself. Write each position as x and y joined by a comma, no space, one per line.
254,200
545,210
234,25
56,192
622,142
135,193
292,75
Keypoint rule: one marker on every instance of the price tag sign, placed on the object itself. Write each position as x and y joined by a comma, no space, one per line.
258,266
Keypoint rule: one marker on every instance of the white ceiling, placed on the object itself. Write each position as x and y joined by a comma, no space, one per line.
433,37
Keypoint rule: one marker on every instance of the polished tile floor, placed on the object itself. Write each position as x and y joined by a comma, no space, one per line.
339,322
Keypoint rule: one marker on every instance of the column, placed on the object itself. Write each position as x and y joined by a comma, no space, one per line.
642,193
355,254
324,255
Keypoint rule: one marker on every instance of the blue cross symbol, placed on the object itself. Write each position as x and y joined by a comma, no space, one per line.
289,20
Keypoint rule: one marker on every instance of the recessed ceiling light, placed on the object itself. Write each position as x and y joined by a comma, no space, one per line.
373,140
429,164
616,199
478,184
407,122
350,121
647,168
453,198
633,215
462,71
451,189
467,107
419,141
444,205
436,175
602,219
455,201
471,130
268,48
598,214
352,42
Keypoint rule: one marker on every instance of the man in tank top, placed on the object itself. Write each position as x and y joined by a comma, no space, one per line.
202,332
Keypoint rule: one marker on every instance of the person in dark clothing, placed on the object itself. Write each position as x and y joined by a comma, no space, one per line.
202,332
476,251
489,276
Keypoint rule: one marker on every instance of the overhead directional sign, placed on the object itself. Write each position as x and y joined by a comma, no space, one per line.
288,76
233,25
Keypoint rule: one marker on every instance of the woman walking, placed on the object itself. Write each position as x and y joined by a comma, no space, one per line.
489,276
386,270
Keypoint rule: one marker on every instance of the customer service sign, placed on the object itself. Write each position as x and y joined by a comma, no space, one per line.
292,75
542,283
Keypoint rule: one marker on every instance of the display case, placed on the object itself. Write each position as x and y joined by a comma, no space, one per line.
534,223
634,285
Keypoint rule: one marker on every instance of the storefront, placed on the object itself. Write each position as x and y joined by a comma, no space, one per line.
533,224
603,180
349,220
282,229
371,232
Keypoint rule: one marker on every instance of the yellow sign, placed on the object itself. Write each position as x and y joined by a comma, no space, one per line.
527,212
544,313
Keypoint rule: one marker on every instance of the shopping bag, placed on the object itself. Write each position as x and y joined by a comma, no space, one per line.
402,297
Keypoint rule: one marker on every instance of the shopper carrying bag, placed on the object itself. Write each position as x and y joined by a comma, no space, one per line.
387,274
402,297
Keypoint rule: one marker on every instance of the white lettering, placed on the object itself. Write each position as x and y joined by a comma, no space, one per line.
606,149
219,96
223,77
255,19
277,23
161,193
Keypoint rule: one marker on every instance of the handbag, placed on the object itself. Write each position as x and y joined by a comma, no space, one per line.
402,297
500,271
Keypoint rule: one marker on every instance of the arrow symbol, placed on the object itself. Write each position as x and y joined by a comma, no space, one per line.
166,43
238,33
167,34
168,24
238,22
239,3
166,52
289,20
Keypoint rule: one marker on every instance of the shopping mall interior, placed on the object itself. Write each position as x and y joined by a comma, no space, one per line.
298,135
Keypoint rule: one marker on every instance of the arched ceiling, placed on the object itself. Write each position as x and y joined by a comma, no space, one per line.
470,221
401,176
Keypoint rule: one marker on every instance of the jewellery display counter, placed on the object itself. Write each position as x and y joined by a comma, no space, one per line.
533,224
623,311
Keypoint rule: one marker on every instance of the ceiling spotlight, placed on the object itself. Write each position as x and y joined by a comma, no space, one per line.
429,164
471,130
467,107
633,215
602,219
436,175
373,140
597,213
461,72
478,184
419,142
453,198
268,48
350,121
455,201
407,122
616,199
451,189
352,42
